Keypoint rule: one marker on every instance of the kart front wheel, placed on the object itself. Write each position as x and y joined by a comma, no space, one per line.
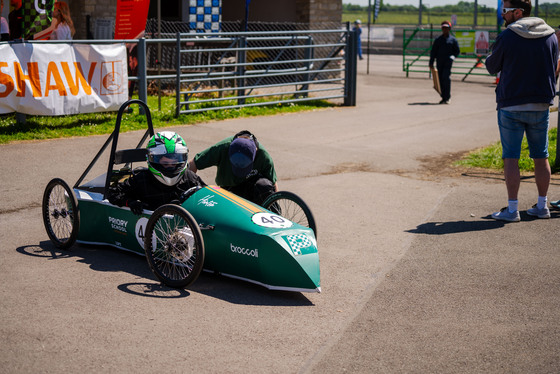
291,206
60,213
174,246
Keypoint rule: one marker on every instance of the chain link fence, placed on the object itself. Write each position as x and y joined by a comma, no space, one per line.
270,63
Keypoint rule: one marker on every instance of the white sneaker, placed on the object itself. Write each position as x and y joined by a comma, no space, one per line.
540,213
505,215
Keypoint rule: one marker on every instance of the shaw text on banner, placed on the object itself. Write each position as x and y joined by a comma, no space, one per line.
44,79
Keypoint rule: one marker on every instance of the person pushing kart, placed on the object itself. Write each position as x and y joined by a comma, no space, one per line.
244,166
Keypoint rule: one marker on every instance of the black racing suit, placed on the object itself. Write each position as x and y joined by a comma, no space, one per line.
143,186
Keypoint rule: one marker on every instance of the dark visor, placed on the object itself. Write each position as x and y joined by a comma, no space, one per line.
169,164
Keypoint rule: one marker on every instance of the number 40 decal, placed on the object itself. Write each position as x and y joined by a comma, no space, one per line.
140,230
271,220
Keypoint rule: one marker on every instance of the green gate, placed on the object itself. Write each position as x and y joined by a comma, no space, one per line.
417,44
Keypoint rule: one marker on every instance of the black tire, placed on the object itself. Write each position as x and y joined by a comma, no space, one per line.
174,246
60,213
291,206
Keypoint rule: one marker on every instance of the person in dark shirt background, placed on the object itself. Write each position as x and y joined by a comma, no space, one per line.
15,19
444,51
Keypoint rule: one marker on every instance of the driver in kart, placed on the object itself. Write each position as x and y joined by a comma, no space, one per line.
163,182
244,166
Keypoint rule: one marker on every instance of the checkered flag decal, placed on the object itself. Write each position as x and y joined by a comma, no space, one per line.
205,15
298,242
36,19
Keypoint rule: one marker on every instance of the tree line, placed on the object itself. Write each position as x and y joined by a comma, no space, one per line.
460,7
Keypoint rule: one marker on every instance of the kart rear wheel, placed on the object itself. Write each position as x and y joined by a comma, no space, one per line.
60,213
174,246
291,206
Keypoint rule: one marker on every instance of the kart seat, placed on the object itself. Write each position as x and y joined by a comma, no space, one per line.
126,156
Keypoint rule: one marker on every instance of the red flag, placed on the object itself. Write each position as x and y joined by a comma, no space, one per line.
131,18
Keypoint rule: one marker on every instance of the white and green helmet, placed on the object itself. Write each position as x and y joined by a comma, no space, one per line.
167,157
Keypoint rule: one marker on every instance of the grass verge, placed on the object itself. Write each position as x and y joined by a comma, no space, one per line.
464,20
47,127
491,157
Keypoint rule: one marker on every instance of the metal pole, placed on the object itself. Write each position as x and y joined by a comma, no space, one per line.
142,82
536,8
21,118
178,79
420,12
350,73
245,24
308,55
241,58
159,52
475,21
557,160
368,32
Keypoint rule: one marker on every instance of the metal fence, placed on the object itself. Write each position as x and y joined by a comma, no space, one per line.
270,64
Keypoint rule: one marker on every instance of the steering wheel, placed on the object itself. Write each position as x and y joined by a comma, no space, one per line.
188,193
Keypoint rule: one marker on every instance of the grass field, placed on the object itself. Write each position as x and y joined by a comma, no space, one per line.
46,127
491,157
411,18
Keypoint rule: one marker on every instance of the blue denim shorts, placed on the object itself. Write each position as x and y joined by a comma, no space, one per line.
512,127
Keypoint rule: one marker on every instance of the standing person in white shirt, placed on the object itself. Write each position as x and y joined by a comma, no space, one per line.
62,22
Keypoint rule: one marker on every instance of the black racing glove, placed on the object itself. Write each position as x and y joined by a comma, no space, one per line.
135,206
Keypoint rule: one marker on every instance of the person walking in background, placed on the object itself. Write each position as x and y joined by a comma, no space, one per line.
444,51
526,55
358,29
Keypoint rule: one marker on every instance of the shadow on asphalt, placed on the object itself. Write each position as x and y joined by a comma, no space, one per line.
245,293
423,103
109,259
454,227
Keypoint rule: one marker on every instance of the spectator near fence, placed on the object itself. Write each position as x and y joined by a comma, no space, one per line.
526,55
556,203
358,30
62,27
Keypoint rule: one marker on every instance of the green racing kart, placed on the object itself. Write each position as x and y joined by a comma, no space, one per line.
273,245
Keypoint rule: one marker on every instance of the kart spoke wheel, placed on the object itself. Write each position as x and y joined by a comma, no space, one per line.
174,246
60,213
292,207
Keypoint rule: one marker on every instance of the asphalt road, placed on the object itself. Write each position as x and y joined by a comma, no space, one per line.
415,276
